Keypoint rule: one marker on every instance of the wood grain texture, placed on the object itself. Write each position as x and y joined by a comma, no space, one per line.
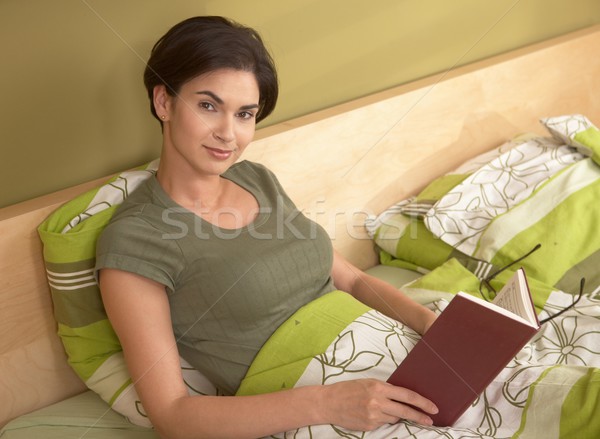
338,165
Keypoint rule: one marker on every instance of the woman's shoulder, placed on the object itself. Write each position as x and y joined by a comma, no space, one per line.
138,211
254,173
245,166
138,226
256,177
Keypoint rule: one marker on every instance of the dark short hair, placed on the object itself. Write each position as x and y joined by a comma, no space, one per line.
201,45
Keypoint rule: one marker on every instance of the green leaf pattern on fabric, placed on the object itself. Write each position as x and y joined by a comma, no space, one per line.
517,402
463,214
501,204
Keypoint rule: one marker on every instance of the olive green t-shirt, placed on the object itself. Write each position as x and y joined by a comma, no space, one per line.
228,289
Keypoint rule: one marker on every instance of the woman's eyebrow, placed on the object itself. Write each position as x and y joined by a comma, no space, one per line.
219,101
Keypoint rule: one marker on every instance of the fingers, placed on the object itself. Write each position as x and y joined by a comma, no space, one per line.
403,395
366,404
401,411
409,405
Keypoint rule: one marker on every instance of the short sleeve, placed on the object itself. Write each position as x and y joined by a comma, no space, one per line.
132,244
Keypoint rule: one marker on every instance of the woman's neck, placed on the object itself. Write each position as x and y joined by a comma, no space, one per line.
192,190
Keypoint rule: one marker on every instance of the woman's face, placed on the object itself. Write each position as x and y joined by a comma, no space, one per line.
210,122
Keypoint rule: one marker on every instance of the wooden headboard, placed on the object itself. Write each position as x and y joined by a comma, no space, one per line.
365,155
338,165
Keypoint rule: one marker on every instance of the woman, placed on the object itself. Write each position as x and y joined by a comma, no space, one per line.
198,261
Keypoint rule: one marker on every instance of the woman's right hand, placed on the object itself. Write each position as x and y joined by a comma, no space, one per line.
367,404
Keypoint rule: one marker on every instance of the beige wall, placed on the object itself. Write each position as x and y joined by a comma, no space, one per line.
73,106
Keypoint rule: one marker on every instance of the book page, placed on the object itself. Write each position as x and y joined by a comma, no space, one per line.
496,308
515,297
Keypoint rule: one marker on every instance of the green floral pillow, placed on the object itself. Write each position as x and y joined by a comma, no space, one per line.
400,232
498,207
93,350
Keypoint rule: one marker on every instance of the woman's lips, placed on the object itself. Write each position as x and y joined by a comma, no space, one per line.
221,154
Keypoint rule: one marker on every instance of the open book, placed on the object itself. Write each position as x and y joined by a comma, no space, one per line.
467,346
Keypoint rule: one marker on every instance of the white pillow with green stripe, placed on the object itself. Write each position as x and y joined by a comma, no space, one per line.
399,231
543,190
466,211
93,350
530,196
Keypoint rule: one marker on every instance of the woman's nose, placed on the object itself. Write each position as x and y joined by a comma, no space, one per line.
223,132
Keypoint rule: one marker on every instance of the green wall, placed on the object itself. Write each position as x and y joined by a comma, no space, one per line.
74,108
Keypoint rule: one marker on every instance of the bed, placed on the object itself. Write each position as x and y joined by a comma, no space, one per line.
386,176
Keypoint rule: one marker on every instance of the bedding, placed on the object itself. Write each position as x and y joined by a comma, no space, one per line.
85,416
69,244
400,232
550,389
69,237
367,343
531,202
530,193
457,233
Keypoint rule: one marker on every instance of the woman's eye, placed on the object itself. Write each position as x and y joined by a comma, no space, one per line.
207,106
246,115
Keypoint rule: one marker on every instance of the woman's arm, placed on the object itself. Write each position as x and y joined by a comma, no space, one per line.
138,309
380,295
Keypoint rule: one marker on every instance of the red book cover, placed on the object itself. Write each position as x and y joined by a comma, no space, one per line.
463,351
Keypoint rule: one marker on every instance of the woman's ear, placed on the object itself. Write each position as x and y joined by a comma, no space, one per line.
162,102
